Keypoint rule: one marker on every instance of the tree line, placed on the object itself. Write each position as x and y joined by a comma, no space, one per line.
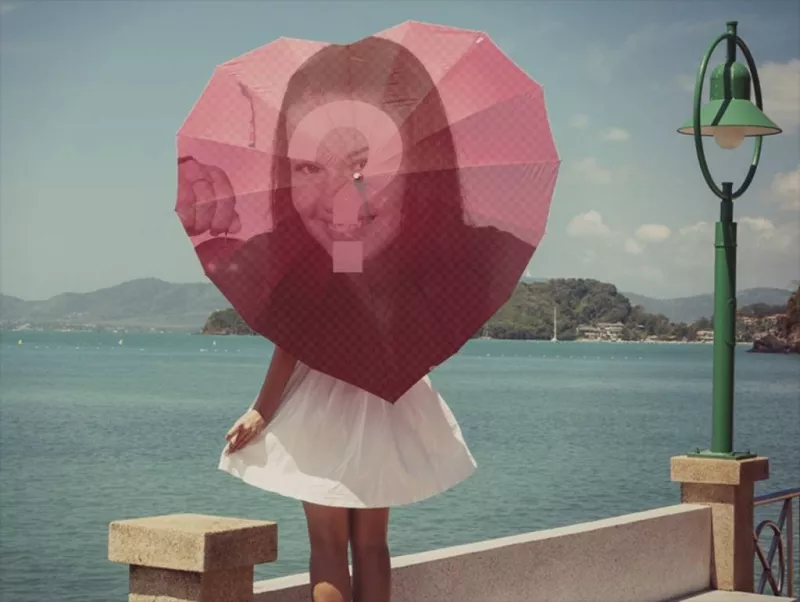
528,314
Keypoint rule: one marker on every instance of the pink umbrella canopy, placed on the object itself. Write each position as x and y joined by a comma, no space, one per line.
367,207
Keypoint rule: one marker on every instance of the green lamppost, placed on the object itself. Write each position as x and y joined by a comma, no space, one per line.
729,117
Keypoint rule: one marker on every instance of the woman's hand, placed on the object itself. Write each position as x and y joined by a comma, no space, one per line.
206,201
249,426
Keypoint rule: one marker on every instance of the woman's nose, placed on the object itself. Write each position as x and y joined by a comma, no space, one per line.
344,204
334,187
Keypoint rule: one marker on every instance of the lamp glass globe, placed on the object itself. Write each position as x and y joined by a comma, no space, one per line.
729,137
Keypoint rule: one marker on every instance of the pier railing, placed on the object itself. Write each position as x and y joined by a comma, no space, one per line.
778,578
652,556
699,550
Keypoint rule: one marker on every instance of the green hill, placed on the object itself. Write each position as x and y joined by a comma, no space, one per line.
137,304
529,312
226,321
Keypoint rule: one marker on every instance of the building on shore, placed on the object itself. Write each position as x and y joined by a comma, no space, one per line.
763,322
704,336
602,331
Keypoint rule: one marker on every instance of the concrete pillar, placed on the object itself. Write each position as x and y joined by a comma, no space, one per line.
726,486
192,557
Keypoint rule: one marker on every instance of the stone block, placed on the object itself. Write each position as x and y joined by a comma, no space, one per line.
690,469
193,542
165,585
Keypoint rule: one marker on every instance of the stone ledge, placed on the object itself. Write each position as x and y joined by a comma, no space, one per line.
720,596
617,560
713,471
192,542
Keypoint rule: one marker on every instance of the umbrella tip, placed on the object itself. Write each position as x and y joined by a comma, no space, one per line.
358,177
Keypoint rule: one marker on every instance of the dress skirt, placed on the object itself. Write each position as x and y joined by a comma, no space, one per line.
334,444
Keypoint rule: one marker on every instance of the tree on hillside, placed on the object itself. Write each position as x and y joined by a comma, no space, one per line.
226,321
760,310
793,310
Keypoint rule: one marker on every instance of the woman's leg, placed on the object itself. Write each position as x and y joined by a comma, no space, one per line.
328,532
369,531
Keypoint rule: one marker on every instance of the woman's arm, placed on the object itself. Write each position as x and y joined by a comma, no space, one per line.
280,369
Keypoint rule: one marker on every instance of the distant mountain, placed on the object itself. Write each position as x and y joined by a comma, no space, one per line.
152,303
690,309
145,303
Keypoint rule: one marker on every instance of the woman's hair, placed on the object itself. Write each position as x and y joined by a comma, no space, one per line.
432,200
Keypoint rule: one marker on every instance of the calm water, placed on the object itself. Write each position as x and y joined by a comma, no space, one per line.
92,431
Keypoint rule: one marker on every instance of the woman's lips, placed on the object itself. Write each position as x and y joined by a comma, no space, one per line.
344,231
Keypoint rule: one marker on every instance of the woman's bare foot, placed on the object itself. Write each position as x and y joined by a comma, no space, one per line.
325,592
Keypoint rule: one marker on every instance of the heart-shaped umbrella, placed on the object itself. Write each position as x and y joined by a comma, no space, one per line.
367,207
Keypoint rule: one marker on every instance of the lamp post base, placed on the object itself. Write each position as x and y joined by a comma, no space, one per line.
707,453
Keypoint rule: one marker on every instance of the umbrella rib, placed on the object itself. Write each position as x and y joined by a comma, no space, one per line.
217,142
451,125
435,83
464,167
246,93
402,44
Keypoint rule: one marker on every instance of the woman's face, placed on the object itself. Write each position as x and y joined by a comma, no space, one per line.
345,157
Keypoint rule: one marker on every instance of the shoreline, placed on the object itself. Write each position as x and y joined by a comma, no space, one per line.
122,331
616,342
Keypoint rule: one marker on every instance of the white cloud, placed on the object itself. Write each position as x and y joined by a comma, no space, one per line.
646,233
653,232
761,233
767,252
763,227
632,247
590,169
699,228
589,224
780,85
616,135
674,261
785,189
647,260
579,121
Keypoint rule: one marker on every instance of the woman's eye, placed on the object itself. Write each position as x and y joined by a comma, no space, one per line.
308,169
360,165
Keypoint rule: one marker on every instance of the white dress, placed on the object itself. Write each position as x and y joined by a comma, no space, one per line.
334,444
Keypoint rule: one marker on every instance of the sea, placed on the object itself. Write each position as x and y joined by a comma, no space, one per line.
96,427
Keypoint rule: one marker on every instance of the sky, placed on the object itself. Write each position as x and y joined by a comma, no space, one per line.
92,95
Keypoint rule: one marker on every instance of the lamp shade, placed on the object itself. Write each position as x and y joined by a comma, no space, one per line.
729,115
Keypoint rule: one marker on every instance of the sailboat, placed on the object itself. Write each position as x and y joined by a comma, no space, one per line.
555,325
485,333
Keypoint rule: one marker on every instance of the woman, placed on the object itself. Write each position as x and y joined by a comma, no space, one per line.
345,453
